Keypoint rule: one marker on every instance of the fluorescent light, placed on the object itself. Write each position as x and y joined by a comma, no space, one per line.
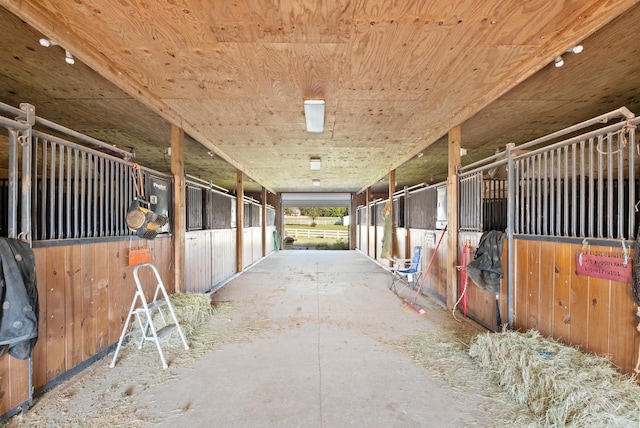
314,164
314,114
315,182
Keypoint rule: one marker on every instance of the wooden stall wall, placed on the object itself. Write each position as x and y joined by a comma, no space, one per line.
210,258
435,282
251,245
596,315
270,242
256,243
372,234
401,243
379,233
84,292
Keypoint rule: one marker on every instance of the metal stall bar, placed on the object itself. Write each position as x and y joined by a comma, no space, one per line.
609,185
574,190
538,216
583,194
592,183
510,232
13,184
600,188
565,197
632,182
620,216
76,195
82,190
545,196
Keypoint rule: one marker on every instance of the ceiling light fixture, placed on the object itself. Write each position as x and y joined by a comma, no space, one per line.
47,42
315,182
68,58
559,62
576,49
314,163
314,115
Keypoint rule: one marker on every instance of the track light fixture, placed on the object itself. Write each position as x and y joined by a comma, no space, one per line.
68,56
48,42
576,49
559,62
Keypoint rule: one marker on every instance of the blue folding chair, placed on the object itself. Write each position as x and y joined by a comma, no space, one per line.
407,271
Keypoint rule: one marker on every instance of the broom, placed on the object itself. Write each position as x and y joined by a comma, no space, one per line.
412,305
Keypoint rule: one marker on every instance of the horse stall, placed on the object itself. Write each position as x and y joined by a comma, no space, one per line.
427,228
67,196
210,238
568,206
564,210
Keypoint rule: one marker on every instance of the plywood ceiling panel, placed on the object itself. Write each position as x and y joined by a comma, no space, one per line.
395,75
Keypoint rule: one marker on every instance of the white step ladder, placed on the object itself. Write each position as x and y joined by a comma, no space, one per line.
148,327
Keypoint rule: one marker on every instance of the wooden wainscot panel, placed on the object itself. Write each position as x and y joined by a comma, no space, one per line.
579,332
532,274
101,293
40,350
624,338
19,370
85,292
547,287
74,301
594,314
5,386
56,324
89,304
521,284
562,292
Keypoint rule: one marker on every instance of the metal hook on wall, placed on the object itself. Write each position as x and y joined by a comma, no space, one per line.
582,250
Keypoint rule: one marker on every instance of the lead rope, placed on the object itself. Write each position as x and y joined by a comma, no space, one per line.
136,174
636,293
463,282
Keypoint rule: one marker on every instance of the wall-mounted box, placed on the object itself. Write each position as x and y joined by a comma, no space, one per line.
441,208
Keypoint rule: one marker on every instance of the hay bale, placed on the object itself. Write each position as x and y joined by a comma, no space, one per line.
559,384
192,310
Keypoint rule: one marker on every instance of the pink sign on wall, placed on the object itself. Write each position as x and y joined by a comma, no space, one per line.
606,267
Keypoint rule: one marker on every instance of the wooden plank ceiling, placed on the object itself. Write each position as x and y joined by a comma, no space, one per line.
396,76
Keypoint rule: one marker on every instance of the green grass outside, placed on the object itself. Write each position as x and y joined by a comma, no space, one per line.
318,244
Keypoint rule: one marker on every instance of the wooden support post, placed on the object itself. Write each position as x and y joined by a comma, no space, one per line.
367,197
279,220
240,217
392,190
264,222
353,226
408,250
179,207
452,216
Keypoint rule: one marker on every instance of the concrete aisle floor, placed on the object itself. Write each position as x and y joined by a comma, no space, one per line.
325,358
